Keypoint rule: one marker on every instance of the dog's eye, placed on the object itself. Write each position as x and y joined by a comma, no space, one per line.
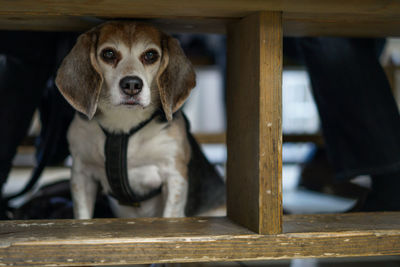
108,55
150,56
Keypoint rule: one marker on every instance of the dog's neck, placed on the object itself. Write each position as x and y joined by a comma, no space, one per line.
123,119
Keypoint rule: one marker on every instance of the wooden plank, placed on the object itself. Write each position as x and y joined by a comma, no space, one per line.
340,24
294,24
303,138
46,23
81,24
300,18
195,8
134,241
254,134
210,138
220,138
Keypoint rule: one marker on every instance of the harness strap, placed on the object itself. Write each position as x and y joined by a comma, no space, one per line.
115,151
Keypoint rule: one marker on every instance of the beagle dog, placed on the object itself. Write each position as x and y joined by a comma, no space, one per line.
128,82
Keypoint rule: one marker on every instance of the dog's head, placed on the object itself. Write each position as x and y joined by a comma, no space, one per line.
125,65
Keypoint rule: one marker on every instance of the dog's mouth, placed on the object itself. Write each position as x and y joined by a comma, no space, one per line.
131,102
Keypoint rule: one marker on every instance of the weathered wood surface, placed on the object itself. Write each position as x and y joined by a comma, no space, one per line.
129,241
220,138
210,138
341,24
196,8
254,128
300,17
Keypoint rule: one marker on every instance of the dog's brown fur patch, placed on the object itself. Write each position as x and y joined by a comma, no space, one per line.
127,33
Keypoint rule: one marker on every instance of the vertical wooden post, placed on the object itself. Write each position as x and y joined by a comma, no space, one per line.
254,134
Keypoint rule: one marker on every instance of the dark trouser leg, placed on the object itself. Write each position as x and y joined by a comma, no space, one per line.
24,70
19,96
360,119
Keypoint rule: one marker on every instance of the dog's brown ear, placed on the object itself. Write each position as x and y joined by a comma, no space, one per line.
175,78
78,78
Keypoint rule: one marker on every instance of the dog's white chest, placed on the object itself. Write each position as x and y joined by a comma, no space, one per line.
151,154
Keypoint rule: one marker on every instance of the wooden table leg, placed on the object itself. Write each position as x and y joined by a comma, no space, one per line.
254,134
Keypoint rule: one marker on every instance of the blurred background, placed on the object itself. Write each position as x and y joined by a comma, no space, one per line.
308,184
307,189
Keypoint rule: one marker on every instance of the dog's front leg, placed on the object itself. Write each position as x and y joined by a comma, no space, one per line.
83,190
176,191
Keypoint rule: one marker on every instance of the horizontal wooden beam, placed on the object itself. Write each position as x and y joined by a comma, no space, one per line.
304,138
130,241
341,24
195,8
300,17
220,138
83,23
210,138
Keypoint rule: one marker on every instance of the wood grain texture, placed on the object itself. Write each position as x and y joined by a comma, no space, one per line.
340,24
304,138
294,24
300,17
131,241
210,138
254,134
46,23
81,24
220,138
195,8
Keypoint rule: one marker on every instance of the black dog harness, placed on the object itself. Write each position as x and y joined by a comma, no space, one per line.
115,151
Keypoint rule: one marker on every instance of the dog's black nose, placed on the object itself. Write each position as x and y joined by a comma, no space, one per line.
131,85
